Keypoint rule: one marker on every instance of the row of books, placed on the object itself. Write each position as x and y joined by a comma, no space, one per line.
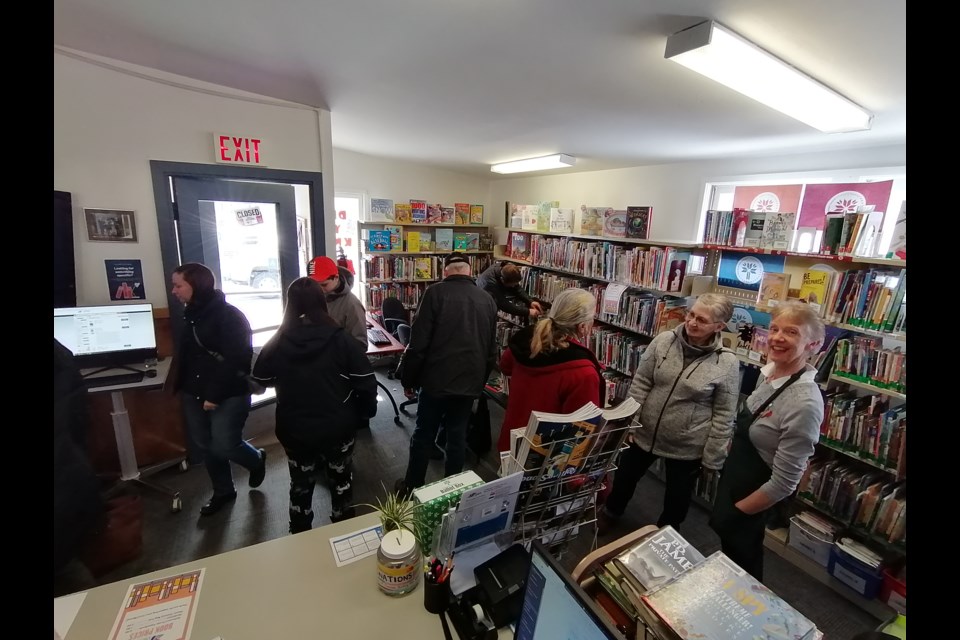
874,299
865,426
756,229
672,588
660,268
864,358
390,239
869,501
408,294
548,216
419,211
852,234
401,267
616,387
616,349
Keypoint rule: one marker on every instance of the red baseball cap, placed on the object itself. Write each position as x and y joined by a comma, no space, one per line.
322,268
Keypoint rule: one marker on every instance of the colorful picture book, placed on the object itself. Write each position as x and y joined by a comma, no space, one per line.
778,228
717,600
381,210
402,213
591,220
658,558
519,245
638,222
813,288
677,269
461,242
773,289
413,241
378,240
615,223
529,216
543,214
444,239
434,213
476,214
396,237
461,213
561,220
418,210
448,215
423,269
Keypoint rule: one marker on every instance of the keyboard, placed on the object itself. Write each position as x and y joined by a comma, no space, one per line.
376,336
109,381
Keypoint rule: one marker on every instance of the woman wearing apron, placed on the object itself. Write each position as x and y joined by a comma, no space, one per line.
774,437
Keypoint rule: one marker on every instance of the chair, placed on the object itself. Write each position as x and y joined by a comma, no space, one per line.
395,322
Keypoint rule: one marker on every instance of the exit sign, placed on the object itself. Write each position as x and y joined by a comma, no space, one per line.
230,149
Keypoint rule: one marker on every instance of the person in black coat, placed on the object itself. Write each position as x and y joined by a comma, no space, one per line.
78,508
325,388
502,281
216,347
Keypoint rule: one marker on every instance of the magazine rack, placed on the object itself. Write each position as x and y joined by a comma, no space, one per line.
559,494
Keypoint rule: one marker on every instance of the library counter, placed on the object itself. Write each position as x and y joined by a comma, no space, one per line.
285,588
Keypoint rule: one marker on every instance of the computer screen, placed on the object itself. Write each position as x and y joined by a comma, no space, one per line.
109,335
555,607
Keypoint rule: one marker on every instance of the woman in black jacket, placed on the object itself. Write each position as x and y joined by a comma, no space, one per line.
325,388
216,348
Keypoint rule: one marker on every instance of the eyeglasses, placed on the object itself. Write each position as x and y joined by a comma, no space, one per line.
692,317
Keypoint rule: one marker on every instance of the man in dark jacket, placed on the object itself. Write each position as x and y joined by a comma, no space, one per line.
502,281
451,352
342,305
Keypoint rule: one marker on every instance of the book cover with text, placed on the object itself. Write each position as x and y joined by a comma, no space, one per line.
591,220
378,240
639,219
381,210
615,223
773,289
461,213
413,241
448,215
476,214
444,239
658,558
418,210
561,220
402,213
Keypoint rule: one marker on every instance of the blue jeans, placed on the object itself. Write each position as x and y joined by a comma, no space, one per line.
433,412
219,434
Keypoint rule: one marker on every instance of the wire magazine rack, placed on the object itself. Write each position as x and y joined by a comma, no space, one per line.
560,487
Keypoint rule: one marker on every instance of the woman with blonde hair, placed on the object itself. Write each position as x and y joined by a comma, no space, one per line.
549,367
775,436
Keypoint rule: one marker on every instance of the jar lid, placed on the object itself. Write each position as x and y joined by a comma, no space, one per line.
397,544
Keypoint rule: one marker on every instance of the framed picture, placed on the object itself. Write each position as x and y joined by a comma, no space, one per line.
110,225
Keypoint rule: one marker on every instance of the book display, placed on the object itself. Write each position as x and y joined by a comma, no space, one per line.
400,257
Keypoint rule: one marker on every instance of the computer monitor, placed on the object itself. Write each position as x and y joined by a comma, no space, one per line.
108,335
554,606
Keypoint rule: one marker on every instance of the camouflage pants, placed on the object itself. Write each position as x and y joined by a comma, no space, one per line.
305,467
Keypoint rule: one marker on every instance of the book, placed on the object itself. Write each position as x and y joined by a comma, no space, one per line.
778,228
413,241
434,214
476,214
426,241
402,212
639,219
898,245
868,235
773,289
657,558
753,235
418,211
529,216
758,343
460,242
543,214
832,230
677,270
813,288
615,223
378,240
591,220
519,245
461,213
738,227
472,241
396,237
444,239
561,220
717,600
423,268
381,210
448,215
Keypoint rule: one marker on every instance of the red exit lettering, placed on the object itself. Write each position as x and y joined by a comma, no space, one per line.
235,149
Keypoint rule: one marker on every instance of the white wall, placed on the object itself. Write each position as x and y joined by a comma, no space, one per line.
111,119
675,191
400,181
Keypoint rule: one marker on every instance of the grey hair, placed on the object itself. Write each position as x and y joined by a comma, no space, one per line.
720,306
802,314
570,308
457,269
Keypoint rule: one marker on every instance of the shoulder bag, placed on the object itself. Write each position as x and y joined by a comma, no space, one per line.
254,387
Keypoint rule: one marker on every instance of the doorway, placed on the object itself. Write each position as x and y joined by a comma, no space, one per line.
251,226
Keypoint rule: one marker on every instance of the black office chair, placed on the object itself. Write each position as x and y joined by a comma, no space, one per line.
394,321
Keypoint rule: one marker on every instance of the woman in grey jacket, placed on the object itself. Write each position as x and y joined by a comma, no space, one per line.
688,385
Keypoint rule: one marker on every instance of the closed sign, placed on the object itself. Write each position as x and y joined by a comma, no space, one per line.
230,149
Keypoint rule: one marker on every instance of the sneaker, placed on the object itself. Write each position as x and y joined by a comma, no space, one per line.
216,503
258,474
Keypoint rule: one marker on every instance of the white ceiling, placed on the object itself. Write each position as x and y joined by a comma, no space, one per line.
464,86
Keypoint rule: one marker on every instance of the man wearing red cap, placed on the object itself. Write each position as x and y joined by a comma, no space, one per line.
342,305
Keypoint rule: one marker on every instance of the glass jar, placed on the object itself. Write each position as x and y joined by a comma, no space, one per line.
398,563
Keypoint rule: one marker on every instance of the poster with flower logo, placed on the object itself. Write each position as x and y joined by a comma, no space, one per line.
821,199
779,198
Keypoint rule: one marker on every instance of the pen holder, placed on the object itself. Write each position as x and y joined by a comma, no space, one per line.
436,596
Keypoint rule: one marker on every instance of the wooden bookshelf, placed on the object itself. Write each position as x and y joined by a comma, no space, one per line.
679,244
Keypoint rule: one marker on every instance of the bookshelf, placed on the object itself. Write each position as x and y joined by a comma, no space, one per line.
404,273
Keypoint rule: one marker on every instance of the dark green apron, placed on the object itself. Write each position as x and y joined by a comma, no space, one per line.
743,472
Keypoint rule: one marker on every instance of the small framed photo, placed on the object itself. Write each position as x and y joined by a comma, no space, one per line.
110,225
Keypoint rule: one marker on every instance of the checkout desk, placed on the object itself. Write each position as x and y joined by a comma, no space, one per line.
285,589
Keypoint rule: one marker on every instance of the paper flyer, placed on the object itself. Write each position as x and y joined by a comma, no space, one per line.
354,546
161,609
611,298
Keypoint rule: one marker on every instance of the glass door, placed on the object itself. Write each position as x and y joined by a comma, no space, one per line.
247,233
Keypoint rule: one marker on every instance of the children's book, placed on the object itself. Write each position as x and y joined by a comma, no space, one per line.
657,558
423,268
413,241
639,219
378,240
418,210
519,245
738,227
476,214
717,600
396,237
813,288
448,215
561,220
591,220
543,214
473,241
753,235
758,344
461,213
529,216
778,231
426,241
460,242
434,213
615,223
444,239
402,212
773,289
381,210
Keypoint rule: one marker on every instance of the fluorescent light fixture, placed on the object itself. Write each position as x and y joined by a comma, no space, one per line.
558,161
718,53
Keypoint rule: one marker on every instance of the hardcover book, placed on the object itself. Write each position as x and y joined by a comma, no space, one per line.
378,240
402,212
461,213
561,220
658,558
473,241
738,231
638,222
444,239
418,210
773,289
778,231
476,214
434,214
381,210
543,214
460,242
413,241
423,268
396,237
753,235
615,223
448,215
519,245
591,220
426,241
717,600
813,289
529,216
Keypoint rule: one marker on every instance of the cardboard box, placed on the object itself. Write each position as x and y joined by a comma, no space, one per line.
435,499
809,542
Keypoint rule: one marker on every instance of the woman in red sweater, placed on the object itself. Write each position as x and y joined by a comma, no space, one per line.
549,367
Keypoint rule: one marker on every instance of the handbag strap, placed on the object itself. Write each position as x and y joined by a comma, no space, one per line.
216,356
773,396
